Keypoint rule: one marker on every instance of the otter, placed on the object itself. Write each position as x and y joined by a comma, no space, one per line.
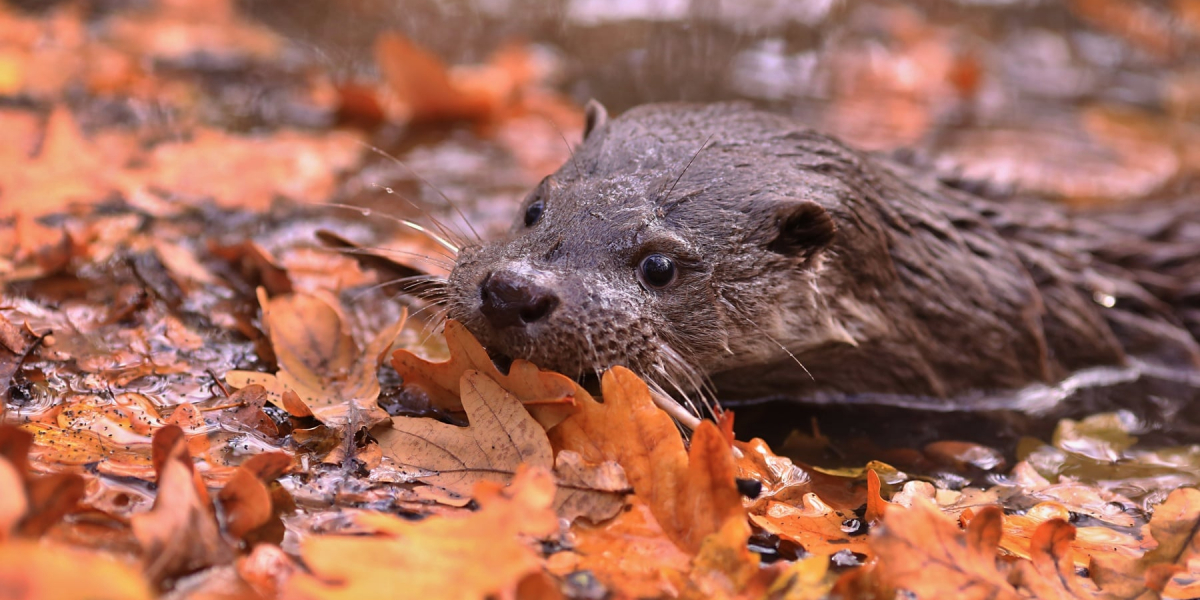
723,246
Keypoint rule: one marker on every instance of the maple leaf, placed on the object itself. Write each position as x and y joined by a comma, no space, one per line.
180,534
479,555
502,436
548,396
319,360
1175,525
922,551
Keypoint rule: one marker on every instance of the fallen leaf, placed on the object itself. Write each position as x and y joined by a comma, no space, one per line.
245,499
501,436
1050,572
35,571
923,552
480,555
725,568
692,496
179,535
630,554
549,396
595,491
319,360
1175,525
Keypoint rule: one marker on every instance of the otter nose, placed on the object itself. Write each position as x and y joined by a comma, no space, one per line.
510,300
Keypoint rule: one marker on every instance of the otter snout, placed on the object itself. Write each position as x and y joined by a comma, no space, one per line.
511,300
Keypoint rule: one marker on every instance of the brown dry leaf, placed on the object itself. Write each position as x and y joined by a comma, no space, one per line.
38,571
180,534
595,491
1050,572
501,436
257,265
549,397
922,551
692,496
11,337
1175,525
30,505
479,555
319,361
245,500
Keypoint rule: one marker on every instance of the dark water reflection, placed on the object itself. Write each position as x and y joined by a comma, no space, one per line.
1086,100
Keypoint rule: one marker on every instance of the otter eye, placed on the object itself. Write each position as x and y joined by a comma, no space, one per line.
657,270
533,214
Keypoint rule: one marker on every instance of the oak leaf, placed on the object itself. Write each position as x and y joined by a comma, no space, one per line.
922,551
319,360
179,535
1175,525
692,496
1049,574
479,555
501,436
548,396
34,571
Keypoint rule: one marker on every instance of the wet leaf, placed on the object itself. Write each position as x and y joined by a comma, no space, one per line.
1175,525
1050,573
922,551
549,396
595,491
691,495
320,362
246,500
479,555
501,436
180,534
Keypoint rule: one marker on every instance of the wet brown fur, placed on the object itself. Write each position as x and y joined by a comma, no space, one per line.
877,278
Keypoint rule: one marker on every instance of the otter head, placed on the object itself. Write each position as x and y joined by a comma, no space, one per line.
662,246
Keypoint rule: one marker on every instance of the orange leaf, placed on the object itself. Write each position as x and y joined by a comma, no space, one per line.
1175,525
482,554
320,361
549,396
691,497
36,571
179,535
922,551
502,435
1050,572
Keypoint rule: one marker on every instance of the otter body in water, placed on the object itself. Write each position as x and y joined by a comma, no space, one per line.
719,242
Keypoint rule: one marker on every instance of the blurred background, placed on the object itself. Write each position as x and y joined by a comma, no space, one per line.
1085,100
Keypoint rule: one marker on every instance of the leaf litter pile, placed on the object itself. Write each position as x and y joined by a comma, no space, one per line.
210,392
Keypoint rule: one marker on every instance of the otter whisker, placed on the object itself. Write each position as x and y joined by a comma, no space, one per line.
414,173
369,250
685,168
415,280
443,241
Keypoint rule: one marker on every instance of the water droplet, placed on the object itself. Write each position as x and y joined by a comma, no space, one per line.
366,212
1103,299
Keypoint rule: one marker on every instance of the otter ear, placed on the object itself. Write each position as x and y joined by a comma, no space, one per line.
802,229
596,117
